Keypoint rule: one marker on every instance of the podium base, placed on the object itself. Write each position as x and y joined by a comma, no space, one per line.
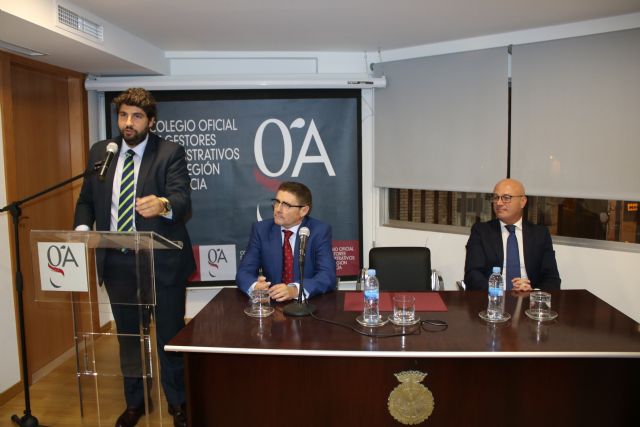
297,309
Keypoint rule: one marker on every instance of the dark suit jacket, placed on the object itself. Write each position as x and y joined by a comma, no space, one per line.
265,251
163,172
485,250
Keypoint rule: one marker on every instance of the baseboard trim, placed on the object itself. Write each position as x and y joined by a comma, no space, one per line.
10,393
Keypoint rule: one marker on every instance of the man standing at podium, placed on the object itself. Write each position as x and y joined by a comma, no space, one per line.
145,188
271,259
522,250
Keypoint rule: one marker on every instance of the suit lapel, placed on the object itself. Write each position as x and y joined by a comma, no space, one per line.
275,246
527,243
496,241
108,183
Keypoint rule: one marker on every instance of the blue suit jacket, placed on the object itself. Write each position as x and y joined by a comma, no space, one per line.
265,251
485,250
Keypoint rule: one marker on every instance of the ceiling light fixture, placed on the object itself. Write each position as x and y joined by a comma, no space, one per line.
19,49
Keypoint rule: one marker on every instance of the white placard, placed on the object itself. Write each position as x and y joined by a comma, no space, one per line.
63,266
217,262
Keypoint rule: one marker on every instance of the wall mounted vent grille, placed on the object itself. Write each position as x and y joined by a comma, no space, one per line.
87,27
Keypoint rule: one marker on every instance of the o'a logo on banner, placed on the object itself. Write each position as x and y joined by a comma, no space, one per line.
303,156
63,266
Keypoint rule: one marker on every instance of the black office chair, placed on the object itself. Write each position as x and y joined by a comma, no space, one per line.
404,269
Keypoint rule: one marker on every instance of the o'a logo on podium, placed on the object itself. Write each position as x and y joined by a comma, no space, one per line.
410,403
63,266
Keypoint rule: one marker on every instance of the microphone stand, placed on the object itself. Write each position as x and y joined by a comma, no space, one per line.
300,307
28,420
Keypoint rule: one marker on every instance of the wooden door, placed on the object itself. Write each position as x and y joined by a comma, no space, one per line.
45,143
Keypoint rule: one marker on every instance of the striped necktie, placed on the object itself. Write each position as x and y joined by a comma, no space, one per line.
126,201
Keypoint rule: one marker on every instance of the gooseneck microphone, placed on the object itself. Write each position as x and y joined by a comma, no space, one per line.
112,150
300,307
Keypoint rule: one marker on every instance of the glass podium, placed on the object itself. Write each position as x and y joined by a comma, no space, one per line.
67,265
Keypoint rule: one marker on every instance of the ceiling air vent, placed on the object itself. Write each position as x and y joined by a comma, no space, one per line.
71,20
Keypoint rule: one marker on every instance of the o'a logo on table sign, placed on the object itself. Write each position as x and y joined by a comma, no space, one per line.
217,262
63,266
410,403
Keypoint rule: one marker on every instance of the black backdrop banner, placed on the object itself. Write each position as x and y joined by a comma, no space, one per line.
241,145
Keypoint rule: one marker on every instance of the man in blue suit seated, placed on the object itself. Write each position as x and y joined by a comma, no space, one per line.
265,265
522,250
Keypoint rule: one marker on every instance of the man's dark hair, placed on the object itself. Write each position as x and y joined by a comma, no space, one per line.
137,97
301,191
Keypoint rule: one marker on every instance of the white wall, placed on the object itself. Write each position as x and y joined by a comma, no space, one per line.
10,366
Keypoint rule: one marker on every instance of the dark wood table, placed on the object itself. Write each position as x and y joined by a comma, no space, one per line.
581,369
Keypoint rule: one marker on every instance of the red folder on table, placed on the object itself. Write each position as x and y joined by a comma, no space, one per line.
425,301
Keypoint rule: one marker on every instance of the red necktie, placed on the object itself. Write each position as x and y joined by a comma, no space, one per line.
287,258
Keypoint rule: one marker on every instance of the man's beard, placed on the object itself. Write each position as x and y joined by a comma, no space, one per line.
136,139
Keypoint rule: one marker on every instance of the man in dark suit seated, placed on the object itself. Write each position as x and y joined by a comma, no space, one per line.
522,250
265,265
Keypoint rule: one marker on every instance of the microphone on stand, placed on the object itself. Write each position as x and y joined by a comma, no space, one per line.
304,234
112,150
300,307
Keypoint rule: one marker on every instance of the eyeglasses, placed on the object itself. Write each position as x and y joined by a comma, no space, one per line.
506,198
285,206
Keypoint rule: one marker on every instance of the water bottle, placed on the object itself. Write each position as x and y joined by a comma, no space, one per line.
495,306
371,312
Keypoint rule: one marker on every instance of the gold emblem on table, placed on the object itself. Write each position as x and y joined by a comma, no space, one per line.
410,403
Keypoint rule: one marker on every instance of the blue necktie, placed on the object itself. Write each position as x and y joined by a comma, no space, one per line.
126,200
513,255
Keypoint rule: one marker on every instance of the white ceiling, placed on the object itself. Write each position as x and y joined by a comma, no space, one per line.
336,25
303,25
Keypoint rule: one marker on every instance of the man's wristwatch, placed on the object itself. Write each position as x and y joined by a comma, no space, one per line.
167,205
